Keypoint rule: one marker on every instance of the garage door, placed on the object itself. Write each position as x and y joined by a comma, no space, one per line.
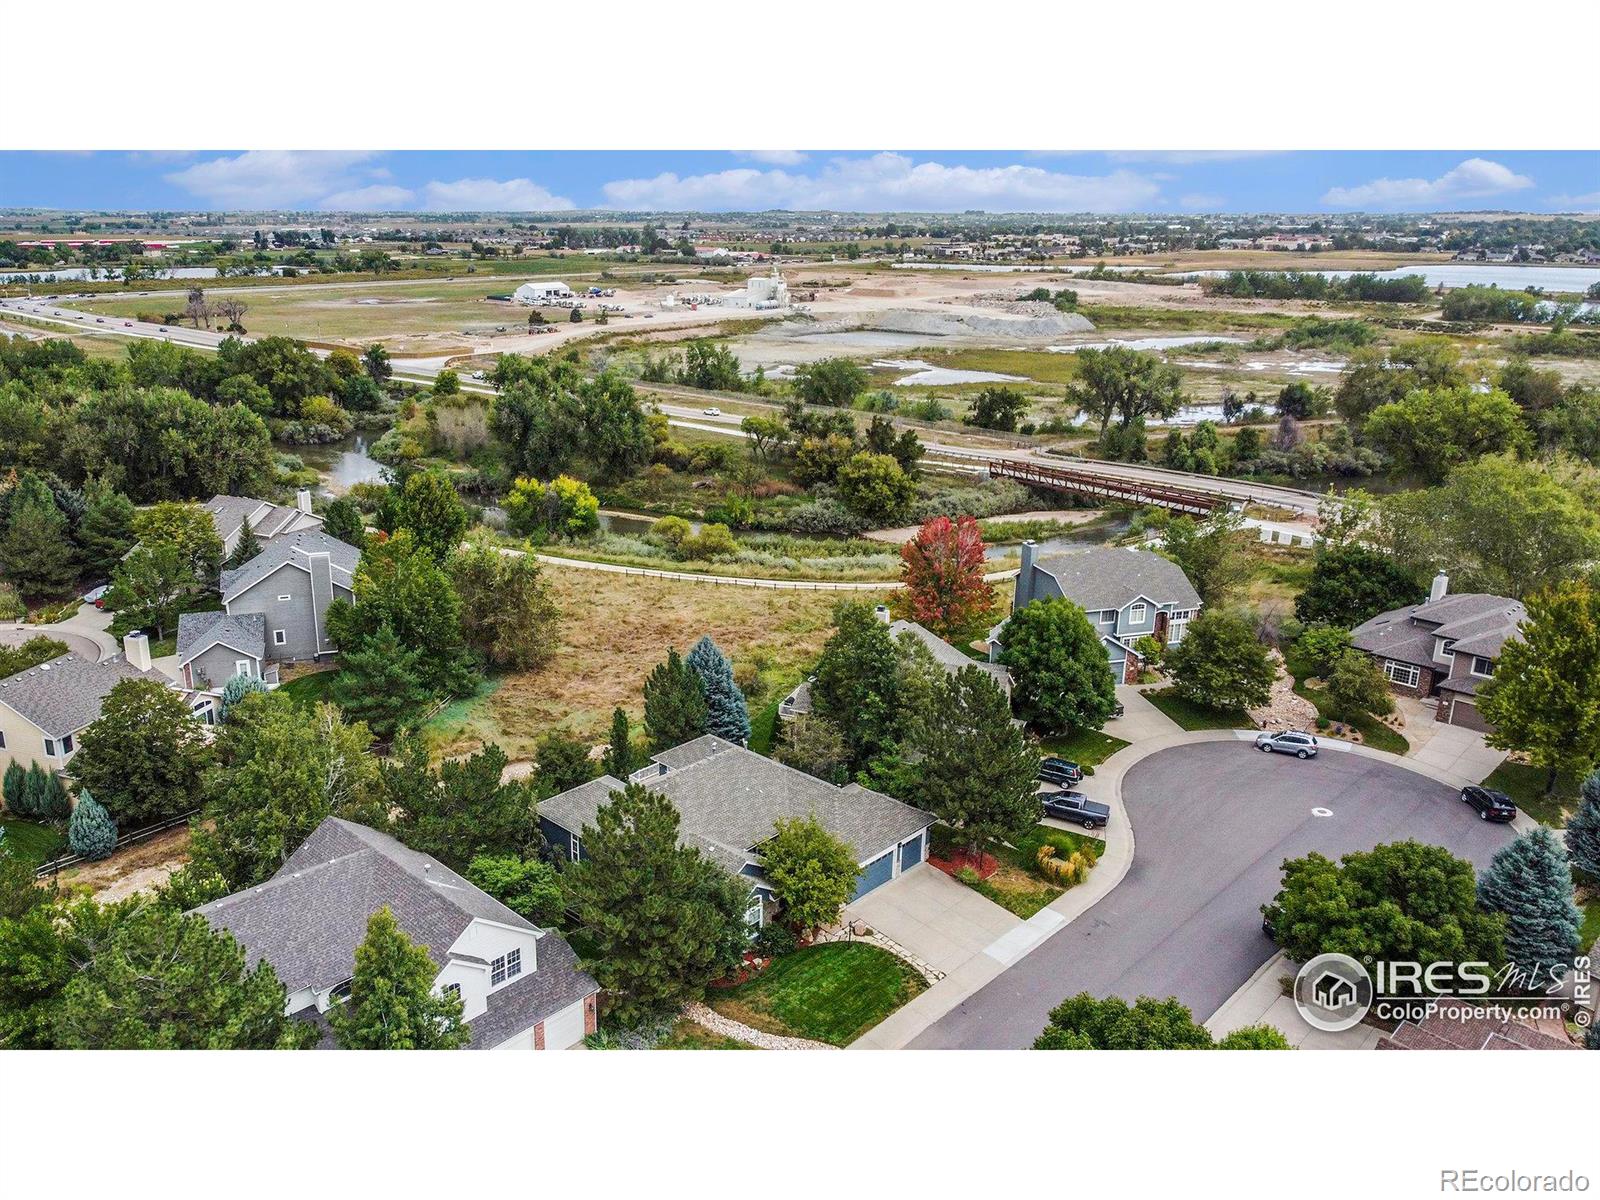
911,853
875,874
565,1029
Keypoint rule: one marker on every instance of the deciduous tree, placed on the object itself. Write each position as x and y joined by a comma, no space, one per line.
813,874
857,679
1220,664
1063,677
146,756
1354,583
508,615
943,568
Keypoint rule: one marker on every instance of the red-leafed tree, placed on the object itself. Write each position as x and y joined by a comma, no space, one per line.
943,573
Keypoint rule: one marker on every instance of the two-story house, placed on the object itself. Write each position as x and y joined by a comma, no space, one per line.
1127,593
290,583
230,514
520,985
1442,648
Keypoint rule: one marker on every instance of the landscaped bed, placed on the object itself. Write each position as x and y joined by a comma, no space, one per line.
1010,875
686,1035
1372,731
830,993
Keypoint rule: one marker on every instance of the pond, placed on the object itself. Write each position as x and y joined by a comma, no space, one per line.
1151,343
1114,524
924,374
341,464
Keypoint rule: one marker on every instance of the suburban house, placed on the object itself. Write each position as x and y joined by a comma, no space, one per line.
45,709
213,647
520,985
1127,594
266,519
1442,648
290,585
730,800
798,702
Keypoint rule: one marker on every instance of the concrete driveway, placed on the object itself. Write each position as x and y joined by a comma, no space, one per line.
942,922
1140,719
1450,748
1213,823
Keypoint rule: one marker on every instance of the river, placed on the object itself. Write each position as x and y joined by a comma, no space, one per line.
1453,275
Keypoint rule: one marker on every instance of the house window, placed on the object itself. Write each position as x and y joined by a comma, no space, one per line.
507,966
1482,667
50,747
2,739
280,636
1109,617
1179,625
241,666
339,993
66,744
1404,674
1136,614
752,912
453,989
577,847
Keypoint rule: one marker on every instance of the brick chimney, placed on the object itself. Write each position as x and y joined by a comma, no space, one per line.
1440,588
136,648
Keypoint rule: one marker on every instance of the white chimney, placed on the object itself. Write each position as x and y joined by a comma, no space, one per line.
302,500
881,611
136,647
1441,586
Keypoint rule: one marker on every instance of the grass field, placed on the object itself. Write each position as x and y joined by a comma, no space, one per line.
1192,716
686,1035
831,993
30,840
1041,366
617,628
1086,747
310,689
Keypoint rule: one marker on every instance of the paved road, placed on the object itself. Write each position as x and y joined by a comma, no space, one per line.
1212,824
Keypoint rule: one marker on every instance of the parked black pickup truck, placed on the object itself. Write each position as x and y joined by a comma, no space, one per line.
1075,806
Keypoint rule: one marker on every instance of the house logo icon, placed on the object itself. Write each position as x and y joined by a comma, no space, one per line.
1333,992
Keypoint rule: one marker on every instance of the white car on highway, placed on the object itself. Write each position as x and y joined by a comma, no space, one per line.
713,412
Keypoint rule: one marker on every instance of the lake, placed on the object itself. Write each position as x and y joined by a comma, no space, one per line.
341,464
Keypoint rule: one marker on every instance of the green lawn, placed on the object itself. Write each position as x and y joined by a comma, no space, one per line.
686,1035
1589,931
310,689
30,840
764,728
1086,747
1526,786
1191,716
831,993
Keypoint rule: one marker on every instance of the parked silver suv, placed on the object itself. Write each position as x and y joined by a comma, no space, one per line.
1301,745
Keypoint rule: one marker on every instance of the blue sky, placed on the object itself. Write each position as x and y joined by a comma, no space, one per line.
916,181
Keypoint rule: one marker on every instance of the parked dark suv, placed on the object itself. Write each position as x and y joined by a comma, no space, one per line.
1491,805
1059,770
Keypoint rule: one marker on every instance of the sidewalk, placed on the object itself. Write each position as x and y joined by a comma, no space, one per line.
1261,1002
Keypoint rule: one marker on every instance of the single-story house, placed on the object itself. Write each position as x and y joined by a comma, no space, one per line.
730,799
266,520
291,583
520,985
798,702
213,647
1442,648
45,709
1127,594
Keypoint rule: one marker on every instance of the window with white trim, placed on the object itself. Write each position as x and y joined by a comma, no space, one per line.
280,637
1179,625
452,989
50,747
1136,614
1482,667
507,966
1404,674
752,912
577,847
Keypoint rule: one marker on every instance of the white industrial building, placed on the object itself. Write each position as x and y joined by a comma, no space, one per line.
543,292
761,291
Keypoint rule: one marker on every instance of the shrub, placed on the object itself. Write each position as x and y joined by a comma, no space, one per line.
91,832
775,940
713,541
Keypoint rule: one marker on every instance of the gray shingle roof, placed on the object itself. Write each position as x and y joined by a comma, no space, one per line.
198,632
64,694
267,519
293,548
947,656
557,983
1101,577
1480,624
730,799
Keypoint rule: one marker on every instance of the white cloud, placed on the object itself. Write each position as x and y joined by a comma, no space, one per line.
378,197
1588,202
1469,180
1185,157
776,158
889,182
271,178
491,195
1202,200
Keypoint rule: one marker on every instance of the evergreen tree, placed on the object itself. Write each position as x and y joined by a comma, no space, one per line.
11,788
674,704
35,792
56,805
343,520
236,689
1531,882
1583,830
663,919
36,551
247,547
106,531
857,683
464,809
380,685
619,753
392,1003
91,832
726,714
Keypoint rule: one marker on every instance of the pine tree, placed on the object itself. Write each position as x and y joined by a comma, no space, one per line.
247,548
11,788
236,689
35,792
674,704
392,1003
1583,831
91,832
54,804
106,532
726,713
1530,881
619,754
380,684
36,551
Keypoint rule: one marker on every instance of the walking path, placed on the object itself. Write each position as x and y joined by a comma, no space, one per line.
901,1027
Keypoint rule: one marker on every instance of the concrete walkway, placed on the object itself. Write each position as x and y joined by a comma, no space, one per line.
1105,785
1450,748
1261,1002
86,632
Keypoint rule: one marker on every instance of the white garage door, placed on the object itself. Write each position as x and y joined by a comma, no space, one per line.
565,1028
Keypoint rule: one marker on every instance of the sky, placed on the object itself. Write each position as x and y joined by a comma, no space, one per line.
853,181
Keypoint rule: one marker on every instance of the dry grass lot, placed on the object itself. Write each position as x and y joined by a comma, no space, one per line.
618,627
